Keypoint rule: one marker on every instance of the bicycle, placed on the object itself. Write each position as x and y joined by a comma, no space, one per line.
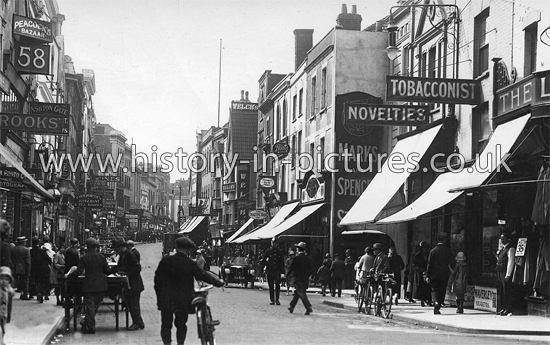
366,293
205,323
383,298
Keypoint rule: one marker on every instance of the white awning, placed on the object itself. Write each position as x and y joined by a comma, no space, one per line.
15,163
187,221
296,218
438,195
388,180
240,231
277,219
192,225
361,232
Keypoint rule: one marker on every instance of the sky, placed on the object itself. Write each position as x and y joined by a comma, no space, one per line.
156,63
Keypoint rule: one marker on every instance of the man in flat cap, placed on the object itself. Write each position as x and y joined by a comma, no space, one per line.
300,269
440,263
132,246
174,287
21,259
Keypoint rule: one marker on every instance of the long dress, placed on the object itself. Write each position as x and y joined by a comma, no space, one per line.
421,289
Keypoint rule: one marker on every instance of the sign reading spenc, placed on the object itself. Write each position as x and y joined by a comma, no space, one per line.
433,90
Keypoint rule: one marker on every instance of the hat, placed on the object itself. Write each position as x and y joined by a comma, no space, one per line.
20,239
291,252
46,238
91,242
130,243
460,256
301,245
377,246
442,236
423,244
348,251
74,241
117,242
35,240
184,242
6,271
327,255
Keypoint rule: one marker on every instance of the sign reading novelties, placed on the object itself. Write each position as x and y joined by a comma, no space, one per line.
32,28
432,90
35,123
358,114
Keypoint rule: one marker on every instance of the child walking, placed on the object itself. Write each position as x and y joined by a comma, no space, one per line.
6,296
460,280
324,276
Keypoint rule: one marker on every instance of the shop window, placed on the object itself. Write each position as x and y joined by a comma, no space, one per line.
481,127
481,44
530,60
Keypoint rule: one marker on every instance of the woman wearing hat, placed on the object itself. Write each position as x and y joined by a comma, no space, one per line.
459,278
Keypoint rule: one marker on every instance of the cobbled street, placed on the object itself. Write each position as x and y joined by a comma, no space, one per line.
247,318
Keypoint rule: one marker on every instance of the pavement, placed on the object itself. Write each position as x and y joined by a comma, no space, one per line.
39,323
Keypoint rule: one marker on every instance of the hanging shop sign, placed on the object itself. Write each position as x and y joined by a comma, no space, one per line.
89,200
11,178
314,190
432,90
109,178
35,123
31,28
361,114
50,108
65,170
258,214
12,107
4,83
267,181
229,187
281,149
243,179
32,58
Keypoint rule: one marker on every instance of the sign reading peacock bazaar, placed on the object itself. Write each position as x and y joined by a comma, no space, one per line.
385,115
433,90
32,28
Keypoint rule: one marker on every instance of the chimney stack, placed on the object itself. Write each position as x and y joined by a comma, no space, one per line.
242,95
303,42
246,96
349,21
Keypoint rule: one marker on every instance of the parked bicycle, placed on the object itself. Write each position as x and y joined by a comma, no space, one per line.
383,296
205,323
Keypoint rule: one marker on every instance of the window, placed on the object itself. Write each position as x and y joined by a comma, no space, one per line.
432,71
481,45
294,106
405,61
293,162
313,95
441,60
278,128
530,61
482,127
300,101
423,64
299,143
324,88
322,150
285,119
267,128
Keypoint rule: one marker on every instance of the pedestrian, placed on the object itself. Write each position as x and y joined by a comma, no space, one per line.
438,270
132,247
221,254
288,261
215,256
40,270
459,277
350,264
57,273
174,289
421,288
505,270
301,269
128,264
21,259
5,247
323,274
199,259
72,258
6,296
95,269
337,276
273,264
381,262
366,262
396,265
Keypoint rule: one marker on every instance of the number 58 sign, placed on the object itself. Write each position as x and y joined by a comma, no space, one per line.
32,58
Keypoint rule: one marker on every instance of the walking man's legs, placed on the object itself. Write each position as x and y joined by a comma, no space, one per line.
132,301
271,284
181,326
166,318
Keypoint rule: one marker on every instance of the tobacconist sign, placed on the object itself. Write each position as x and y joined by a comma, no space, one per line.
32,28
432,90
359,114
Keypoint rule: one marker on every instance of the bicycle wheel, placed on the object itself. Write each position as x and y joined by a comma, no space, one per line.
386,306
360,298
357,290
209,329
369,296
378,301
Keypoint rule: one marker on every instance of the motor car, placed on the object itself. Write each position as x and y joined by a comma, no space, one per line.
169,242
237,270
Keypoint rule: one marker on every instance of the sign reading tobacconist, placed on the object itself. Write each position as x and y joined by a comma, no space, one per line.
433,90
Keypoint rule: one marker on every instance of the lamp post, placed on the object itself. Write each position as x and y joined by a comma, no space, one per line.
57,197
180,213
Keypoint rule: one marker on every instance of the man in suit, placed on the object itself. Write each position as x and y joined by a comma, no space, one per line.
72,258
273,264
21,258
174,287
300,269
132,247
440,262
338,273
40,270
128,264
95,268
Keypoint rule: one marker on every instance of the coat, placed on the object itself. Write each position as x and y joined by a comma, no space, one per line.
58,267
440,260
5,254
21,260
72,257
300,269
129,265
460,278
323,273
338,270
273,262
174,282
40,265
95,268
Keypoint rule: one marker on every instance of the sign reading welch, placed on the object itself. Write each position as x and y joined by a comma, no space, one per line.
32,28
385,115
433,90
244,106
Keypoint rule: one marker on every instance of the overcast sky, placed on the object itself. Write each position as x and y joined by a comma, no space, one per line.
156,62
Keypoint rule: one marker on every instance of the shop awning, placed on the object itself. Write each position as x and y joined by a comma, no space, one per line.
192,225
361,232
388,180
296,218
277,219
34,184
187,221
438,195
240,231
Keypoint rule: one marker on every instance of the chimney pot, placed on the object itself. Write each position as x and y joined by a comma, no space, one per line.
344,8
242,95
354,9
246,96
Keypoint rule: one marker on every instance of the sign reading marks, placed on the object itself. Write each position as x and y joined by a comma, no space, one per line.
412,89
89,200
32,28
385,115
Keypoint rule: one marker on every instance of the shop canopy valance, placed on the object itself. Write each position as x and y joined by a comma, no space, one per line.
277,219
240,231
386,182
192,224
438,195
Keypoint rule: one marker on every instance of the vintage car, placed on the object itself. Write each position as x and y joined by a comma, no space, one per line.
238,270
169,242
